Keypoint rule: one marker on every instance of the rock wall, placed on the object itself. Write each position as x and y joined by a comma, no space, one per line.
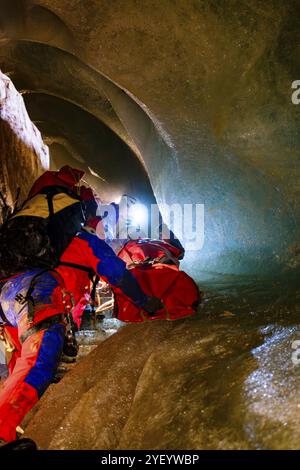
24,156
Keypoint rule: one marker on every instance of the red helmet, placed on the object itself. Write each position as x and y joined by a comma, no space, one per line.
66,176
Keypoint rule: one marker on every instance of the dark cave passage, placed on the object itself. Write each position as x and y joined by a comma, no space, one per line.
79,139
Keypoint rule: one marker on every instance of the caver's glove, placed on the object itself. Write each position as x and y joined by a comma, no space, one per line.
153,305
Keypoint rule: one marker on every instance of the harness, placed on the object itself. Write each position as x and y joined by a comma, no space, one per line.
29,299
4,321
94,278
65,318
3,337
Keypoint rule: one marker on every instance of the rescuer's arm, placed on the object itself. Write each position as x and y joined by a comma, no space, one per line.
109,266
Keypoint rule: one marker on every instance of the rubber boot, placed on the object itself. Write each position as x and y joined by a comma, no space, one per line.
19,444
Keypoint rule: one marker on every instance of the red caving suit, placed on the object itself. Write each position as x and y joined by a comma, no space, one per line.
39,348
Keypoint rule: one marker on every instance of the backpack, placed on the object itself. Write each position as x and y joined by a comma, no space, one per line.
178,291
36,235
143,251
155,265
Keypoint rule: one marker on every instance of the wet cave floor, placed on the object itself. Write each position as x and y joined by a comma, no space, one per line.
257,387
228,378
